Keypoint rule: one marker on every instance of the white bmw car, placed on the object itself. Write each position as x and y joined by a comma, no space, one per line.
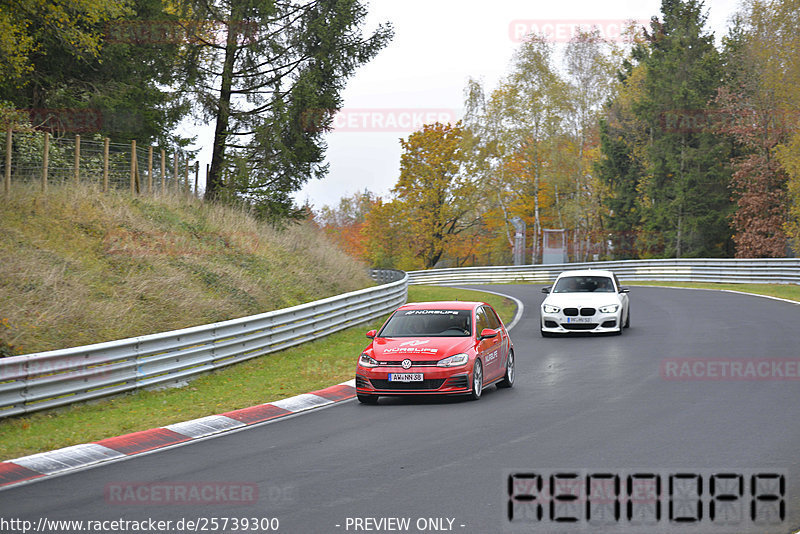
585,301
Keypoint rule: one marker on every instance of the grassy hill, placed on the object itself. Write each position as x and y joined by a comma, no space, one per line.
80,267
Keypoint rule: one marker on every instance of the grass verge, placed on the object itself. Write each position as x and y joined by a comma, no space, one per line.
784,291
276,376
78,266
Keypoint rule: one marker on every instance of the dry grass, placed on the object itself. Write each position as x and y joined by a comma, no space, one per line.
80,267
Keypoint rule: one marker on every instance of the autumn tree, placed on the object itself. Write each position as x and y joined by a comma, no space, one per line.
30,27
751,114
759,111
527,113
386,237
590,65
435,195
345,223
773,42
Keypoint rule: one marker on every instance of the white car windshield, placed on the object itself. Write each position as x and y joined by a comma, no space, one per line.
428,323
584,284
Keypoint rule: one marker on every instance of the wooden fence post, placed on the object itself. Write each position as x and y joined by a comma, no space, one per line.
133,167
105,165
45,160
163,171
196,175
175,172
7,179
77,170
150,170
186,177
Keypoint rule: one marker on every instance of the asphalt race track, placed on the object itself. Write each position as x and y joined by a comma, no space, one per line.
587,405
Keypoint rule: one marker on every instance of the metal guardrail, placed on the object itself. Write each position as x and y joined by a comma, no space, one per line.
773,271
385,276
45,380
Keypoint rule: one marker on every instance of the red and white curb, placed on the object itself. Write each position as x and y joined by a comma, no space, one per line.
27,468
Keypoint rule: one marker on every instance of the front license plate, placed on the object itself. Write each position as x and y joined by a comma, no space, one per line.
405,377
579,319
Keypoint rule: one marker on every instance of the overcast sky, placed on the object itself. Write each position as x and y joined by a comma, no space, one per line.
421,74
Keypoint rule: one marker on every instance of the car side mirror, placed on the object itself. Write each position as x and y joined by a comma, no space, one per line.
546,289
487,333
372,333
624,290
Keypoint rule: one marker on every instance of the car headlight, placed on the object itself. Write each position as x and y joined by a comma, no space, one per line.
551,309
611,308
367,361
453,361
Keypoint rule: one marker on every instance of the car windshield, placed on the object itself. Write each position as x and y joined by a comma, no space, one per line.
584,284
428,323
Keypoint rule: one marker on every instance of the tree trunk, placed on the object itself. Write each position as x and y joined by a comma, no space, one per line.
214,181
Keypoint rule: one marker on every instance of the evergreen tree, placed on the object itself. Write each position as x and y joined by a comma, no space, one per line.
685,198
271,85
102,68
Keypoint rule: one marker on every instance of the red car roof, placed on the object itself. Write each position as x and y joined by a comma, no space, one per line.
442,305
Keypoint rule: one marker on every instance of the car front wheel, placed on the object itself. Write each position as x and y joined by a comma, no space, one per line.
477,381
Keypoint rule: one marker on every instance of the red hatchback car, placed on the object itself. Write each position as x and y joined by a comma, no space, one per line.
451,348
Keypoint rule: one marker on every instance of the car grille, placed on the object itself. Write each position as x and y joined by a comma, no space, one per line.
579,326
427,384
574,312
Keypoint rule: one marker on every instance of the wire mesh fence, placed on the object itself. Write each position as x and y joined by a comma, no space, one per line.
38,157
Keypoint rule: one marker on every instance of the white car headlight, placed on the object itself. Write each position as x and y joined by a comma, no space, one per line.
551,309
366,361
453,361
611,308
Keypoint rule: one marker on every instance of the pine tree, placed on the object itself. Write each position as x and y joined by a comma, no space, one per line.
686,189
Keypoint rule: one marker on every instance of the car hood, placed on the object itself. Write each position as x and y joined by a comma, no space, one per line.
581,300
418,348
